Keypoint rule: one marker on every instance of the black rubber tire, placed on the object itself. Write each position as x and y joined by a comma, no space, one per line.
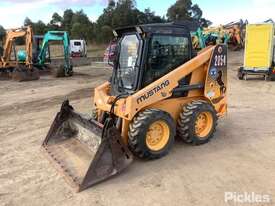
58,71
240,74
138,129
186,122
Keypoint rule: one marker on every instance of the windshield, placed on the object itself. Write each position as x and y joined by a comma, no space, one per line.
77,43
127,67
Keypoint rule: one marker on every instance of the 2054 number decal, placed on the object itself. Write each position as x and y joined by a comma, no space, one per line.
220,60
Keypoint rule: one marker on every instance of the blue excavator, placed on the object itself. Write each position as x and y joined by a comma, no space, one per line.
42,56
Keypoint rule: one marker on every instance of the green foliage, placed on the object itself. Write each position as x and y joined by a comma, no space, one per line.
56,22
28,22
181,10
67,20
81,26
121,14
117,14
2,33
39,28
106,34
184,10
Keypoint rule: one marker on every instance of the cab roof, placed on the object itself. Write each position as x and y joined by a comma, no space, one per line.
160,28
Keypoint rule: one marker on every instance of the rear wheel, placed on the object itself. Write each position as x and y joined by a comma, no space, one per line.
197,122
151,134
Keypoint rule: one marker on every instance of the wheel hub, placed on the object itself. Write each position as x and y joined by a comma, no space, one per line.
157,135
203,124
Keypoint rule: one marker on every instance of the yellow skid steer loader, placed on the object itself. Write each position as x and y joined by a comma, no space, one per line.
159,89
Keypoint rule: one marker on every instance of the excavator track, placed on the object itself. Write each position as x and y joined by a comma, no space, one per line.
22,73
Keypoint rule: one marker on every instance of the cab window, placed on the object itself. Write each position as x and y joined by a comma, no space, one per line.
165,53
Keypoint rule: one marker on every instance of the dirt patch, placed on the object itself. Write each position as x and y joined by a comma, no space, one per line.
44,104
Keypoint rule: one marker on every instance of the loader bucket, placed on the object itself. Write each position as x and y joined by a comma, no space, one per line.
83,150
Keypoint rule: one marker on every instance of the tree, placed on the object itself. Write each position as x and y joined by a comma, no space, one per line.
181,10
28,22
67,20
56,22
121,14
184,10
76,31
125,13
2,33
150,17
118,13
106,34
196,12
81,26
39,28
111,4
204,22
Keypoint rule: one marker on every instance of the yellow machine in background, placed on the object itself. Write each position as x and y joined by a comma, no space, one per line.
259,51
160,88
19,65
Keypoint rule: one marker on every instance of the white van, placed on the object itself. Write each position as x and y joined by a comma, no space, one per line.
78,48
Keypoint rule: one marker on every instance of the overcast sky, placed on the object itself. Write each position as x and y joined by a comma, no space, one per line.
13,12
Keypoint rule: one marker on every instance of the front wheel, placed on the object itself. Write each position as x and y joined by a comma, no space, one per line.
151,134
197,122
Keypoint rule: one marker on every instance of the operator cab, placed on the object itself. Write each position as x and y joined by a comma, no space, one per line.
37,45
146,53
